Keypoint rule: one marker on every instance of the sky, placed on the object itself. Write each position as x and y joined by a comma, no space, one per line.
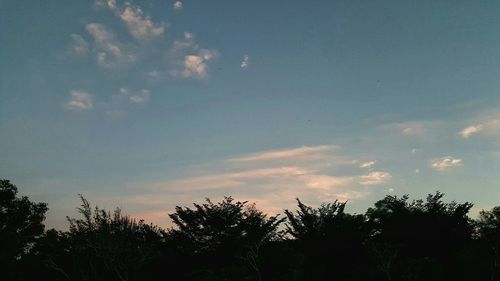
150,104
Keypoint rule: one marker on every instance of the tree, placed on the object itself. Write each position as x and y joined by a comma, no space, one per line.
21,224
223,233
489,232
111,246
424,235
332,240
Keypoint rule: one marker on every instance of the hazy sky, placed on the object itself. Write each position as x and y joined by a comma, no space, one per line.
155,103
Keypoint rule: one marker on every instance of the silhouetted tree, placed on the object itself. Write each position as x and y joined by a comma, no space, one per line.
489,232
223,233
21,224
332,240
424,236
111,246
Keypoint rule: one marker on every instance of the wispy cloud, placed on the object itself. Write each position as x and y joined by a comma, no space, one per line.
110,52
486,124
445,163
367,165
79,46
412,128
140,26
140,97
79,101
375,178
177,5
191,60
271,178
300,152
245,62
471,130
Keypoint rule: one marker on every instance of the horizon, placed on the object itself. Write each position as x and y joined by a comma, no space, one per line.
146,105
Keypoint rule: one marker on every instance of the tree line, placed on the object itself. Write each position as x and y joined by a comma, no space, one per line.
396,239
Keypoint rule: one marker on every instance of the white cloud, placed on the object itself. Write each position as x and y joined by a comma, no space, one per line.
109,51
444,163
300,152
471,130
245,62
139,25
177,5
375,178
79,101
192,59
417,171
79,46
196,66
368,164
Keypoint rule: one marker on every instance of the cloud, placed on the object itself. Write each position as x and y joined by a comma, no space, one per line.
300,152
110,52
79,46
192,59
245,62
177,5
196,66
110,4
486,124
471,130
368,164
412,128
79,101
375,178
141,27
141,98
445,163
272,179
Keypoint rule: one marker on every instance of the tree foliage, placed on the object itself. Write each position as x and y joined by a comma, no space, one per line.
21,224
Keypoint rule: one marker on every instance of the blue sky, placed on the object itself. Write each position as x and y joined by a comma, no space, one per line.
151,104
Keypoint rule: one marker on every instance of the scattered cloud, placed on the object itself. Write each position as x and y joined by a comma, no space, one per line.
140,97
415,129
110,4
300,152
79,46
445,163
195,66
192,60
79,101
375,178
486,124
471,130
367,165
177,5
245,62
140,26
417,171
110,52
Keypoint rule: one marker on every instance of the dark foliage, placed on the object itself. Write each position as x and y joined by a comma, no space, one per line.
397,239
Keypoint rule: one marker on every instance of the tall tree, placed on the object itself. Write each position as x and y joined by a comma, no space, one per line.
332,240
489,232
224,233
21,224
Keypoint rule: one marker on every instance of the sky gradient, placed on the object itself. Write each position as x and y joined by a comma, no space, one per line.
151,104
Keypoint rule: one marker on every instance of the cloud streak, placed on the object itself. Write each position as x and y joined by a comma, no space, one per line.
300,152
